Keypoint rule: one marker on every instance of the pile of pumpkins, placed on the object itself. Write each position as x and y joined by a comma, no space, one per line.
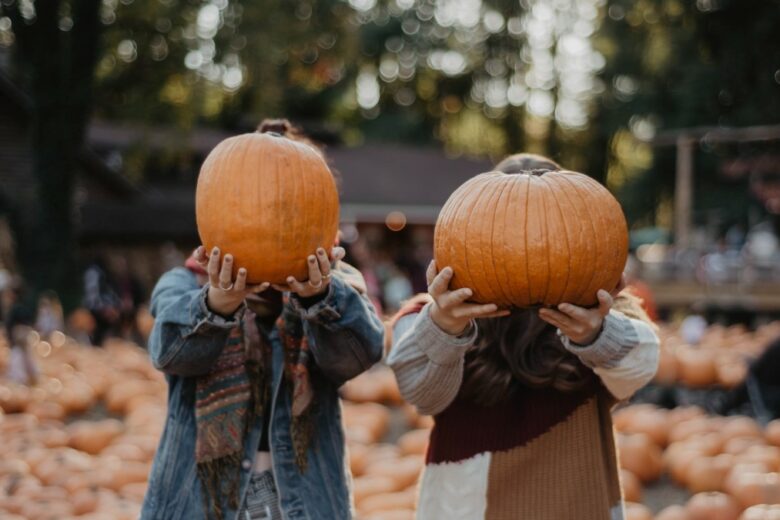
385,474
730,465
720,358
79,444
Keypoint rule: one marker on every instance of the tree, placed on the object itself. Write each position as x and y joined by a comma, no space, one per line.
56,51
674,64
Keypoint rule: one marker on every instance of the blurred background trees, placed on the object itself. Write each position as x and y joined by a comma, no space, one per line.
589,82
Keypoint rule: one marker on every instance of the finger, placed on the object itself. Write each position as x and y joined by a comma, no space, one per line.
281,287
296,286
441,282
338,253
200,256
474,310
497,314
226,273
315,276
605,302
560,318
430,273
259,287
240,284
551,320
453,298
213,267
575,312
324,261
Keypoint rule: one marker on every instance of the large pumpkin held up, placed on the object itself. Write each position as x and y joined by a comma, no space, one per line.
532,238
270,202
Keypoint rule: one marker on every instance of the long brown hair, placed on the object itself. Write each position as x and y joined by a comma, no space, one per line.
522,350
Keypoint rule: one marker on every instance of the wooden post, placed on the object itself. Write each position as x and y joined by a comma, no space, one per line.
683,192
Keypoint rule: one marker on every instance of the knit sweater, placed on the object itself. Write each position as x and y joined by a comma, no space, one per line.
540,454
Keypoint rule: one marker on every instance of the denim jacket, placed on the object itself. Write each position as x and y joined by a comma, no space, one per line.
345,337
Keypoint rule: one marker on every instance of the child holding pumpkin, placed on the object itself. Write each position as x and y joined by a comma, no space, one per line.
521,398
254,422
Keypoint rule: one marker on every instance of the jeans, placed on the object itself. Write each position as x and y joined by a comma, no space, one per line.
261,501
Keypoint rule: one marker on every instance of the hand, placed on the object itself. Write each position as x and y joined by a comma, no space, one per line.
449,310
319,274
225,294
579,324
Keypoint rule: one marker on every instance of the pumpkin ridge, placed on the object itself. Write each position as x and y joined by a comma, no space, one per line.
477,294
300,178
456,254
584,201
242,207
507,298
542,189
486,244
566,234
442,221
551,204
593,189
525,236
552,194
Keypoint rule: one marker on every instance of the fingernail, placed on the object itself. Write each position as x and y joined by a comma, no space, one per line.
290,280
468,292
228,258
312,259
321,251
215,251
242,271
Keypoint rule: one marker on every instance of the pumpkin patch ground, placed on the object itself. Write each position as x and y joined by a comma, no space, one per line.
79,444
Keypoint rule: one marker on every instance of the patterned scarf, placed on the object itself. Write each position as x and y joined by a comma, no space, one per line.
237,391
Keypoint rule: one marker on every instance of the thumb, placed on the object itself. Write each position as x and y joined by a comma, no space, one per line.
605,302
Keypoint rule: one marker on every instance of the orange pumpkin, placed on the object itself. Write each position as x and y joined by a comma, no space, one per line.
740,426
632,488
363,487
637,512
761,512
395,514
674,512
712,506
752,489
270,202
403,471
696,366
93,436
709,473
532,238
388,502
414,442
640,456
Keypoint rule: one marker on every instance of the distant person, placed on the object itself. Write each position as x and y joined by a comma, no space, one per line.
130,295
761,387
49,316
101,300
21,366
